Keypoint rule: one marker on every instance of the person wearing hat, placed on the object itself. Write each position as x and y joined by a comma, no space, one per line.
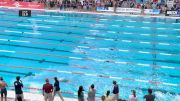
81,94
3,86
57,89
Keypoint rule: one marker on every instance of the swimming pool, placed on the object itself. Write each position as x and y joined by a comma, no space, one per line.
137,52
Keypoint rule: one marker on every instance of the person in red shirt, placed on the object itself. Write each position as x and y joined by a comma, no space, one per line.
47,91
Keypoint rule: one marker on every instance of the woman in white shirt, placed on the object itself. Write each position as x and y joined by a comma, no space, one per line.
133,97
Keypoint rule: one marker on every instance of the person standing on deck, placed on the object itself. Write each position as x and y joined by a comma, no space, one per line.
18,88
115,91
57,89
47,91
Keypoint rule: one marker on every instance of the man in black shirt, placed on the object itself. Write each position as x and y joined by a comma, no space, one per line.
57,89
149,97
18,88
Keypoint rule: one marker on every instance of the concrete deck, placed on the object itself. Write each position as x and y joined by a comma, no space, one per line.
34,97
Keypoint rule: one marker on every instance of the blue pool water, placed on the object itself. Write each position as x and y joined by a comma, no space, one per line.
138,52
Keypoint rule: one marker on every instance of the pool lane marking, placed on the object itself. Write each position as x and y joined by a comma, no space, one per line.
176,29
108,39
140,34
94,59
33,26
86,47
94,75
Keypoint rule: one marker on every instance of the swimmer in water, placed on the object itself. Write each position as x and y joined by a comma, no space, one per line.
65,81
29,74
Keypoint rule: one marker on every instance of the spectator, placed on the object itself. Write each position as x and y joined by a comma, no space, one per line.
108,97
57,89
91,93
115,91
81,94
18,88
3,89
149,97
103,98
133,97
47,91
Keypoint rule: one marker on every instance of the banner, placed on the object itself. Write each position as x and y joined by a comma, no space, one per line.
105,9
172,13
128,10
32,5
152,11
170,3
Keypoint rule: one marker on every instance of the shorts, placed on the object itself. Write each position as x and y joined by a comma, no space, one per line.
3,92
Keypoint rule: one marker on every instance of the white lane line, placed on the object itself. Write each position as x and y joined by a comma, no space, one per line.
170,84
175,23
145,27
167,67
106,49
132,21
103,19
83,47
121,50
178,36
130,26
162,35
60,71
3,39
24,25
177,29
111,31
42,15
164,44
144,42
34,20
8,51
146,22
92,38
33,33
20,41
54,21
119,62
99,24
126,40
43,26
109,39
145,34
127,33
115,77
144,52
12,31
145,81
75,58
90,74
140,64
94,30
165,54
98,60
115,25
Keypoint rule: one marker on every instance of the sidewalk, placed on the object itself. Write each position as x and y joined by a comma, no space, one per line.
33,97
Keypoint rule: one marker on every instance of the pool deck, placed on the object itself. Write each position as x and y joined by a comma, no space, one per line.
33,97
100,13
